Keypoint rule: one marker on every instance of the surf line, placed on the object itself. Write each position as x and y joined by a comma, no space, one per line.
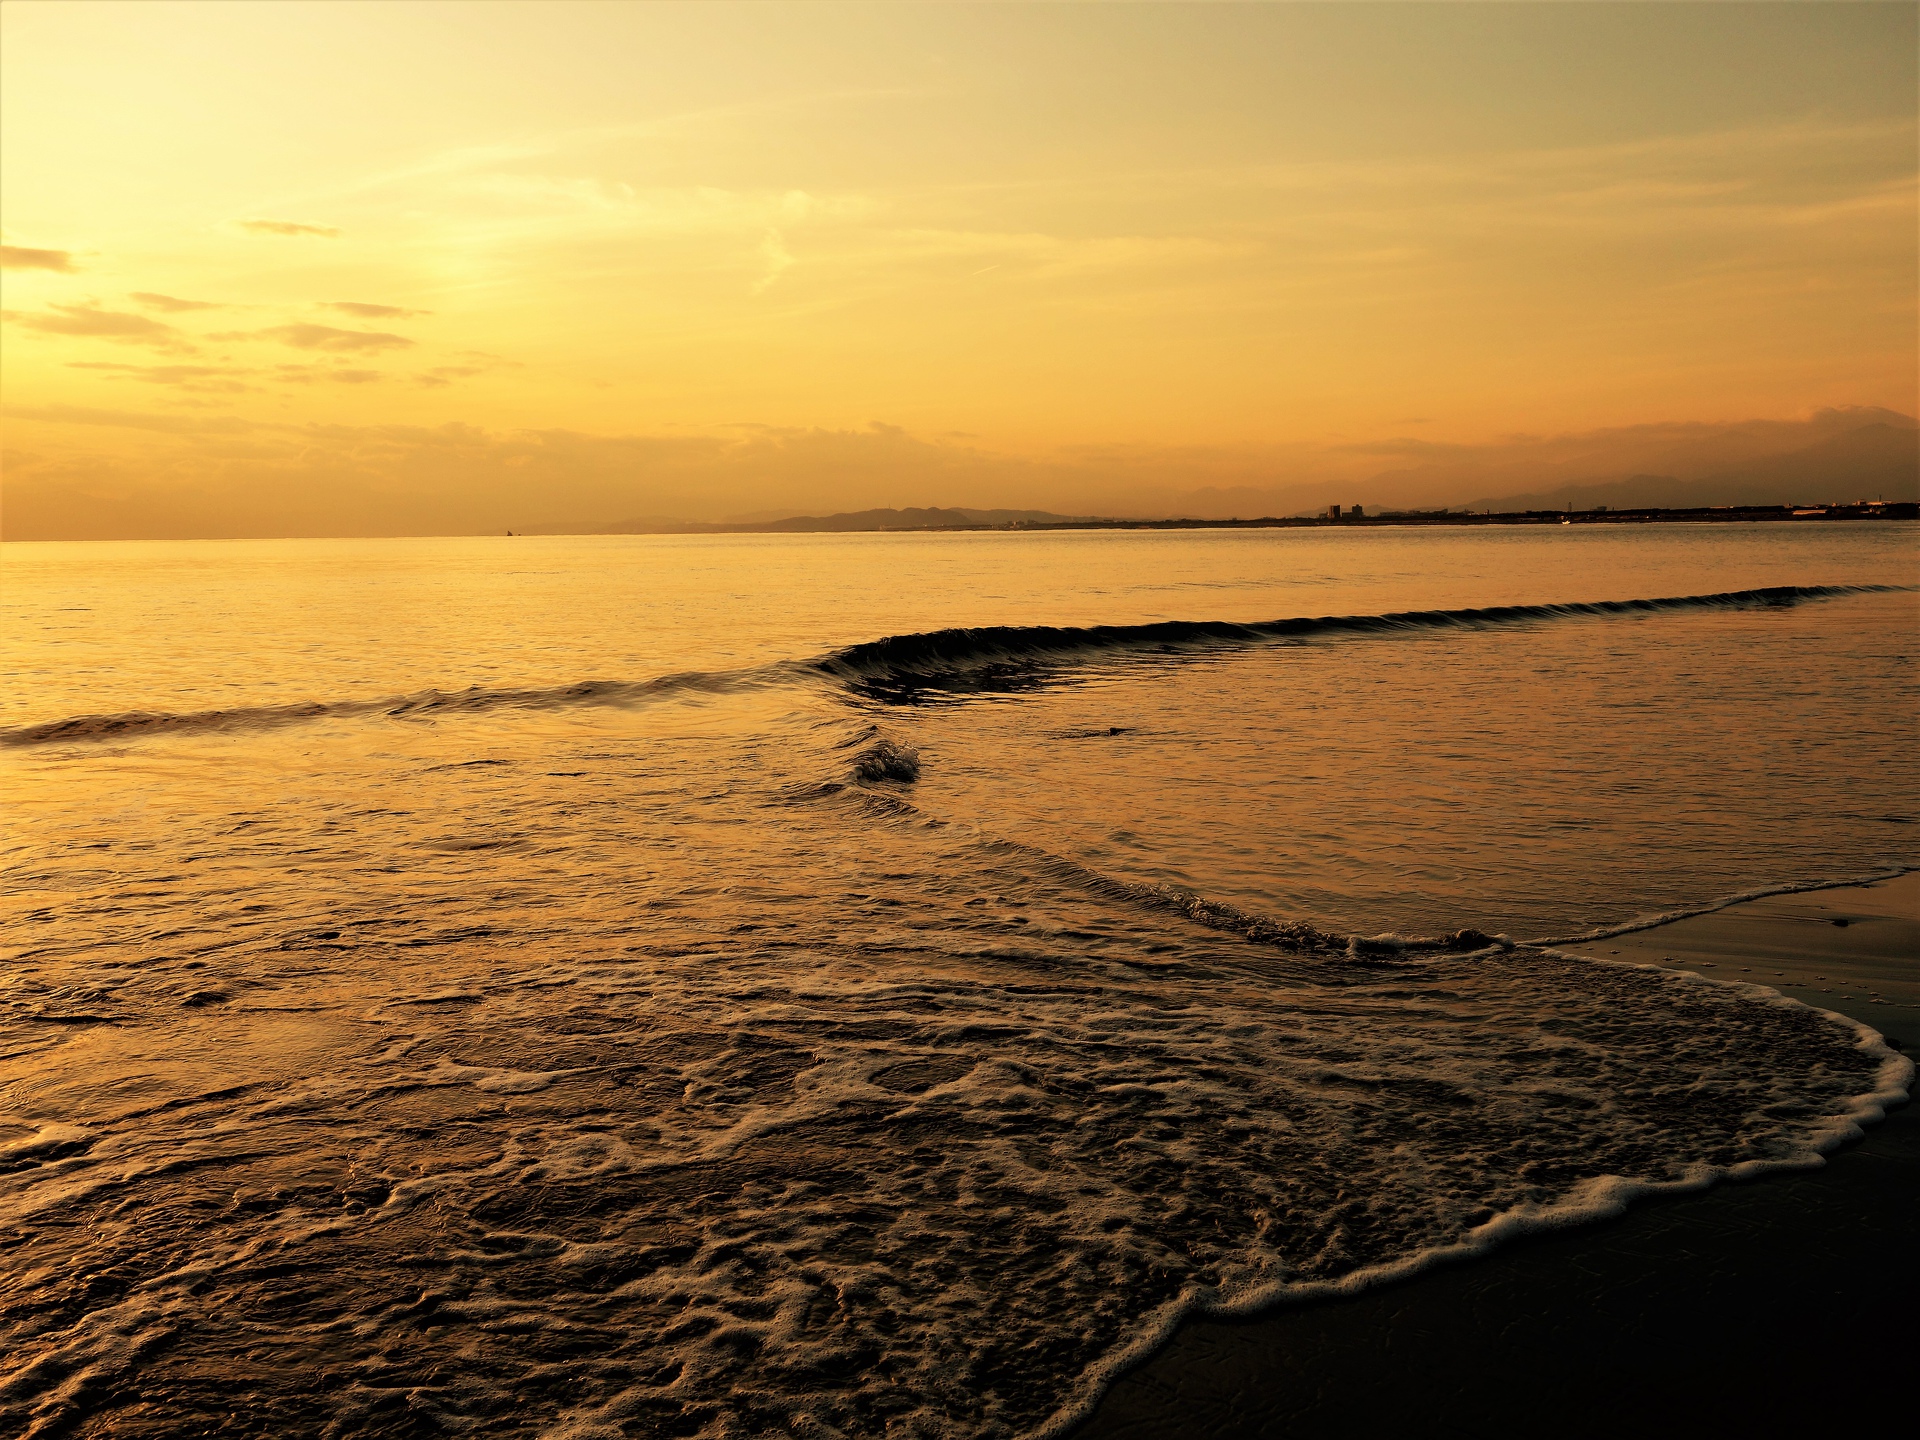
937,658
897,668
1760,892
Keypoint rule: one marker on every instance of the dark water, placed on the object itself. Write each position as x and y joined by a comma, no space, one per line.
789,1033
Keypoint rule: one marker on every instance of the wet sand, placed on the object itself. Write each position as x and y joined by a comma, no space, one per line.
1785,1301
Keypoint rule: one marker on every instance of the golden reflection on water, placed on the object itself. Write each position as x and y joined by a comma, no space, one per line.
638,1064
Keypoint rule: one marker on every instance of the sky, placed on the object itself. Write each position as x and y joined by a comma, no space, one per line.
373,268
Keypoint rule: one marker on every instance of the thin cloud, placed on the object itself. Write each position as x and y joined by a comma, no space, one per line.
289,227
279,478
776,260
94,323
211,379
447,374
172,304
323,337
480,363
19,257
321,375
361,310
132,420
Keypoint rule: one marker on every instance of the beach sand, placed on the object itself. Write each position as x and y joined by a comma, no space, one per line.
1753,1308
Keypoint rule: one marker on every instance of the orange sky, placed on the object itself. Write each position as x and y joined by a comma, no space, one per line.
324,264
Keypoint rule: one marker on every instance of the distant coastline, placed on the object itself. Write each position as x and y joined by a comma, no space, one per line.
925,521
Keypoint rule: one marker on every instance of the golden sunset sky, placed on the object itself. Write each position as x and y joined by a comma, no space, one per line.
291,268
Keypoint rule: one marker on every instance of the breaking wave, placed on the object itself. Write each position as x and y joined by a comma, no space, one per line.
900,668
652,1081
421,705
985,657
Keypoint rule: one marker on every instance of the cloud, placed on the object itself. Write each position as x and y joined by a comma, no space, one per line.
207,379
94,323
479,362
131,420
172,304
363,311
19,257
310,374
776,260
323,337
198,475
98,476
289,227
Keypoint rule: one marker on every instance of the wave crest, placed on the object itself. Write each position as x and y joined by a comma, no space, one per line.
901,669
422,704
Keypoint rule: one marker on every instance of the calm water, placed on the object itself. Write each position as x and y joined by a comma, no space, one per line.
589,987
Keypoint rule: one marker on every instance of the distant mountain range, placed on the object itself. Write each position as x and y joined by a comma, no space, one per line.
911,518
1874,462
1837,454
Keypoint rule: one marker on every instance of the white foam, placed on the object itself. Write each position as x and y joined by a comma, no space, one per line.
1599,1197
854,1118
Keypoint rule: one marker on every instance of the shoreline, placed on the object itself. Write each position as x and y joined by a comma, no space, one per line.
1899,512
1848,949
1685,1307
1822,513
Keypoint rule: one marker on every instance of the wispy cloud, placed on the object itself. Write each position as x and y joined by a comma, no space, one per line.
132,420
91,322
208,379
476,362
778,260
323,337
289,227
19,257
274,477
172,304
323,375
361,310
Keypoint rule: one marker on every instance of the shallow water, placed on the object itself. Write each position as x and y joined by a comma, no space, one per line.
402,1037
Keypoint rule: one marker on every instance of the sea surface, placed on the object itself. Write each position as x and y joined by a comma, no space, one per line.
878,985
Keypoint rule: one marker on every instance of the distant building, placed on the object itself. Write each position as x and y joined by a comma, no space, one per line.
1359,512
1333,512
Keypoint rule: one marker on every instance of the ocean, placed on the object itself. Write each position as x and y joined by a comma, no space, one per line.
879,985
